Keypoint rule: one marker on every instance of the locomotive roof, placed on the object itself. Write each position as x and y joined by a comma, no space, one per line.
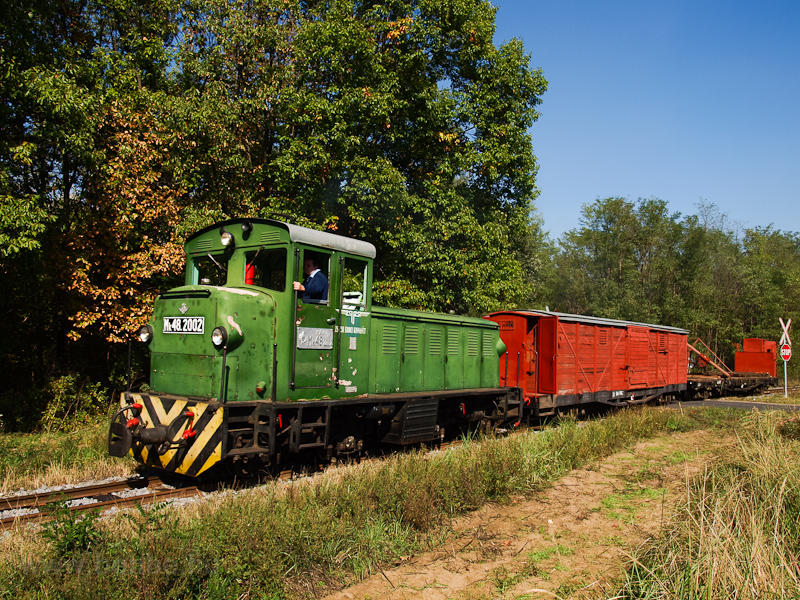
595,320
304,235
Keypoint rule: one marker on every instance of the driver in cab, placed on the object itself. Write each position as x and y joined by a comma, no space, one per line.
315,286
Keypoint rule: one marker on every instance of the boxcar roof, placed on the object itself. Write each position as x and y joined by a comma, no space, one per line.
594,320
304,235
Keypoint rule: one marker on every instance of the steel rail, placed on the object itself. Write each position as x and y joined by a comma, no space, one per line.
102,493
43,498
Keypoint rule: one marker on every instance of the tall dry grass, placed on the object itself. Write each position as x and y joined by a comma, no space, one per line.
31,460
737,532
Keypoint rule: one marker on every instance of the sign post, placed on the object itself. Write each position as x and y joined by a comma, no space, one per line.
786,354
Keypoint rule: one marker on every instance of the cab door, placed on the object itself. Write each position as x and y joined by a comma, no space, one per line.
314,351
353,323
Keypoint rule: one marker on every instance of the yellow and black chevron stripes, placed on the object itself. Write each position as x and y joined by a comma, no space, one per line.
187,457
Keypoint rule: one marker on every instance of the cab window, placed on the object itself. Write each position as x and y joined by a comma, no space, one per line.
316,287
211,270
354,286
266,268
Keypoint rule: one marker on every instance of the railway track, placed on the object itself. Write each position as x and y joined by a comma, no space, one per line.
780,389
40,507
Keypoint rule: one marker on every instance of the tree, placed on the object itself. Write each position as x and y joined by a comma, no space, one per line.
711,281
400,123
771,279
66,68
621,262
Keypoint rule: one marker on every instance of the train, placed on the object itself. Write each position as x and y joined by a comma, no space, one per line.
250,370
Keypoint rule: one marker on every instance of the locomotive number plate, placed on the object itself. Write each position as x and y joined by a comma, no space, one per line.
184,325
315,338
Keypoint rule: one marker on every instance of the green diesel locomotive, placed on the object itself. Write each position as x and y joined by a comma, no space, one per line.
247,370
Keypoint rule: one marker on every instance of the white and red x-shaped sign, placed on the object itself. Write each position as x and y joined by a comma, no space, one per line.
785,339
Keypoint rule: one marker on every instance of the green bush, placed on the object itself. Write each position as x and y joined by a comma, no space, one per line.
65,403
72,403
70,533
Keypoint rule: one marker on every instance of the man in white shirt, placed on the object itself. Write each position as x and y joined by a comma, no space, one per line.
315,285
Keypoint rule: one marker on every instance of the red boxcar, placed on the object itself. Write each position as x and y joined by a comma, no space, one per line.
560,359
757,356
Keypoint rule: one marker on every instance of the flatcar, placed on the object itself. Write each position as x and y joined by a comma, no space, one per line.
560,360
247,372
755,369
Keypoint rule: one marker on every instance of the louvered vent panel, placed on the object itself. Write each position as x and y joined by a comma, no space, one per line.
488,346
453,343
435,342
390,339
205,245
412,340
270,237
472,343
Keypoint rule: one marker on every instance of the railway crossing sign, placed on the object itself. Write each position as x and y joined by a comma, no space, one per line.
786,353
785,339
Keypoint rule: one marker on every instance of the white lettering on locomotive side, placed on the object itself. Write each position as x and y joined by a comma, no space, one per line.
348,329
191,325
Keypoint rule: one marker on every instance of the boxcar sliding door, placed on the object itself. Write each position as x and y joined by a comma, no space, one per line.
547,355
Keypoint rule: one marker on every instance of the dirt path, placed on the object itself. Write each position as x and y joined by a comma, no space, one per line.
569,541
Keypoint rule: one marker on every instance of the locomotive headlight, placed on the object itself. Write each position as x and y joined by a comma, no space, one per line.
226,238
219,337
145,334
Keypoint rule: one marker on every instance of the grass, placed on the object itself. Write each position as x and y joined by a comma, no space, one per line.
793,397
737,532
30,460
503,579
624,506
282,541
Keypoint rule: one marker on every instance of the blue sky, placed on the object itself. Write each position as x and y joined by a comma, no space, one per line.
686,101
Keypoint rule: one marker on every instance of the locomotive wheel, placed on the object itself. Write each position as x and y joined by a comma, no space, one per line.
247,467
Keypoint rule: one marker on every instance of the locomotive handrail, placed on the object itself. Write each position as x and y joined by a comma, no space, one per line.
222,392
339,327
275,372
294,316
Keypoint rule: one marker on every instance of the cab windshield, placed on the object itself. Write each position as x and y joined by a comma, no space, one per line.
211,270
266,268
